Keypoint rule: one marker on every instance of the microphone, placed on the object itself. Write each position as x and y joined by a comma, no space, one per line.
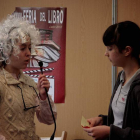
40,63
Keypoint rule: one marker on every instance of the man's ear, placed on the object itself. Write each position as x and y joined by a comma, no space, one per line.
127,51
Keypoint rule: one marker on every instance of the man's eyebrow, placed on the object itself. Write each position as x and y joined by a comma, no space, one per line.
110,46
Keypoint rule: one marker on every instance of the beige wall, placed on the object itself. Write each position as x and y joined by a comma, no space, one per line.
88,72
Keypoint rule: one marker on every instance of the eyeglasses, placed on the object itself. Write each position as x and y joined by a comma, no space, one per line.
27,108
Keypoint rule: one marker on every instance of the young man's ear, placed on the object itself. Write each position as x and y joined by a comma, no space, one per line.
127,51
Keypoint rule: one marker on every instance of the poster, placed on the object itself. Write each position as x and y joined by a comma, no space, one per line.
51,23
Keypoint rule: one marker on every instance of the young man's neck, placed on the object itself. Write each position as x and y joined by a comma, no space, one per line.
130,68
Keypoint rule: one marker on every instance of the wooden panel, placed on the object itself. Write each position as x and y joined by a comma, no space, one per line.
88,72
129,10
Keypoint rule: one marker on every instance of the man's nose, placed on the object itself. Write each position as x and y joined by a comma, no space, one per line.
28,52
106,53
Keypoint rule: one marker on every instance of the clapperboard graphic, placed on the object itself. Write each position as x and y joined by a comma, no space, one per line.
34,73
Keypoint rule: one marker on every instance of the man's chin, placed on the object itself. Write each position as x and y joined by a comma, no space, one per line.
24,67
113,65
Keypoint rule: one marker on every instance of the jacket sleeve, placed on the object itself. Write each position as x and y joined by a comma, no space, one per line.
104,117
43,111
128,133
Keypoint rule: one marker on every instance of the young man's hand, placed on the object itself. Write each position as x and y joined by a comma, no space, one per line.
98,132
95,121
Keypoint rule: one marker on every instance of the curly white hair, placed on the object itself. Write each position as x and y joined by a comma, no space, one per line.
14,30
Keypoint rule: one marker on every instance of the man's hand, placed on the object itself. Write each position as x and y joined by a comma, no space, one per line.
98,132
95,121
43,83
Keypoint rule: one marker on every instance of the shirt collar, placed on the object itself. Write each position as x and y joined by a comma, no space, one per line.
126,87
122,77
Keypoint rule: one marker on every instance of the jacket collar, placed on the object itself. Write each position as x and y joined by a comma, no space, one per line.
137,79
9,79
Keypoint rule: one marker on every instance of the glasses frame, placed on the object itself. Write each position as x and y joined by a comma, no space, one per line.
27,108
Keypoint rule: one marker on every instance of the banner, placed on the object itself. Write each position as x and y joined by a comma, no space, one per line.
51,23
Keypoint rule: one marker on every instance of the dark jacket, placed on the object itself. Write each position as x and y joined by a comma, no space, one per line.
131,120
